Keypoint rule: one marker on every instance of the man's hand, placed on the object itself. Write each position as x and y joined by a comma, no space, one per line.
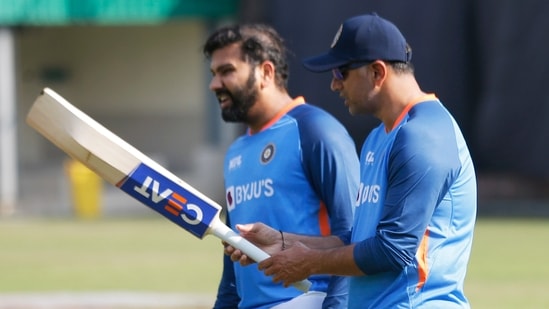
261,235
290,265
303,256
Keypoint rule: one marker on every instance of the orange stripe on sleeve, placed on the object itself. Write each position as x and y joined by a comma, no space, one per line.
423,268
324,220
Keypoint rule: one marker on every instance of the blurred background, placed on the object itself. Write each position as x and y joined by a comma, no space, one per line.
137,68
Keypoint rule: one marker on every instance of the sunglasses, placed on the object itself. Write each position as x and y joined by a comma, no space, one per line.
341,72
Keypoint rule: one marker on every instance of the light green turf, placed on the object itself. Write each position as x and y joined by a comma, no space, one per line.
509,266
140,254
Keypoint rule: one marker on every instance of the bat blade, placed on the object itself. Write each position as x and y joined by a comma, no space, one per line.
122,165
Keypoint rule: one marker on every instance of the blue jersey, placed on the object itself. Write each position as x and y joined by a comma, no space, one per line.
298,174
415,214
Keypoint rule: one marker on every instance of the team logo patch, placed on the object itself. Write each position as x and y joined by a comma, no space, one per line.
370,158
235,162
230,198
336,37
267,154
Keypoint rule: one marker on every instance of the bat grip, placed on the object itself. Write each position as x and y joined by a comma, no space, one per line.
225,233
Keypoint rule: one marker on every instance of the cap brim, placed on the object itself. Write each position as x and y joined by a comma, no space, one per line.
323,63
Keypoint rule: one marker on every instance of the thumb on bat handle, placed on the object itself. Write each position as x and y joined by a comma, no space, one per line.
225,233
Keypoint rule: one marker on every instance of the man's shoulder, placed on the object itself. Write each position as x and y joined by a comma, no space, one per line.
312,117
308,109
317,126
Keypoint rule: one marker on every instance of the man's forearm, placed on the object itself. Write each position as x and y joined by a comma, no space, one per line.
336,261
328,254
313,242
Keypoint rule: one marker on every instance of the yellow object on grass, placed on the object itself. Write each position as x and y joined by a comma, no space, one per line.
86,190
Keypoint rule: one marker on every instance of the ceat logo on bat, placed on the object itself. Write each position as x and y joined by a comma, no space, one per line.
169,199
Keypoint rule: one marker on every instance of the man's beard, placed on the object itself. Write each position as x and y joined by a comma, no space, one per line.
242,100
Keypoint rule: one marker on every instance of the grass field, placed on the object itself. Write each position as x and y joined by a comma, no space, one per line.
509,265
508,268
140,255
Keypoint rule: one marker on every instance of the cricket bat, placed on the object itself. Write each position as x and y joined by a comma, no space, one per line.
122,165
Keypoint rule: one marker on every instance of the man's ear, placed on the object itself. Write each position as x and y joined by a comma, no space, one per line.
267,71
379,70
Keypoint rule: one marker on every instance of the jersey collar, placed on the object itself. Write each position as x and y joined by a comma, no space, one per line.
423,98
295,102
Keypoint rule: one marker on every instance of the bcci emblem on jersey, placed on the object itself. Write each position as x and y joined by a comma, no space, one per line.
267,154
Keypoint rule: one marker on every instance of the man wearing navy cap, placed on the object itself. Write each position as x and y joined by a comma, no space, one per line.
416,206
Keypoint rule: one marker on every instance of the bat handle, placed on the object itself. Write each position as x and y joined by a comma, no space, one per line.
225,233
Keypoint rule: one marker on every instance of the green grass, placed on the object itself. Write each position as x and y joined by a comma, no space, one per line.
509,267
103,255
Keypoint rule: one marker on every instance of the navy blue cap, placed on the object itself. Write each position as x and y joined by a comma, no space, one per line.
362,38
